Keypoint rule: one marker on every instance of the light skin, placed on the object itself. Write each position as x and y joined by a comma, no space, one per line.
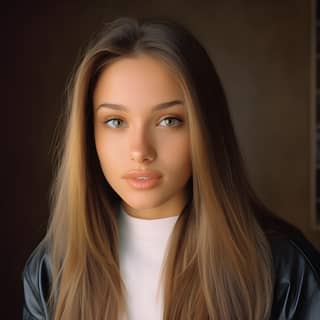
142,138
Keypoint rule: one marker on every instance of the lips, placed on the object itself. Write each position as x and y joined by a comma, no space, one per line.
143,179
147,174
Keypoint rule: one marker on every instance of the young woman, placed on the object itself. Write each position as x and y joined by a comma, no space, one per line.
153,216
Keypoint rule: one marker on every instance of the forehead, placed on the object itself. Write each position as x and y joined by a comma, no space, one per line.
141,79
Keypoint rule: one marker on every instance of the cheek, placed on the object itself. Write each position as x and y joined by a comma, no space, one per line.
185,158
176,154
108,153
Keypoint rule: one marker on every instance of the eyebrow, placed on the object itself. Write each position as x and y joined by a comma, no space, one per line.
157,107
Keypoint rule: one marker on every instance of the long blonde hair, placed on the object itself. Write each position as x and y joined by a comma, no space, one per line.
219,262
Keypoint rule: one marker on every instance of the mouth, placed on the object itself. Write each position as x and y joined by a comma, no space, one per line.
143,182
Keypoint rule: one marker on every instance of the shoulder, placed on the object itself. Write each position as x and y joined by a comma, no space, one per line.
36,283
296,265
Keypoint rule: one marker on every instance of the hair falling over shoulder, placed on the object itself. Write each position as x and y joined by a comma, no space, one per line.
218,254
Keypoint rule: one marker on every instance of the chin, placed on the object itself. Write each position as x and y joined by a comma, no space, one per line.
140,206
144,203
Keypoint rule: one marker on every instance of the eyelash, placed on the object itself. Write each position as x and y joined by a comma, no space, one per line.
175,118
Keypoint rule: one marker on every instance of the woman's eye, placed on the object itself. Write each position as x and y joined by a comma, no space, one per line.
115,119
169,121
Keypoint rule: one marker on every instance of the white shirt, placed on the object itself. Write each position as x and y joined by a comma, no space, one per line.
142,248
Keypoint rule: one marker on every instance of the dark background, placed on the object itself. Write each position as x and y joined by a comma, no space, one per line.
263,51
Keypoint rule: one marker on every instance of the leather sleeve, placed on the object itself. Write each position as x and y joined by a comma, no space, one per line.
297,283
296,287
35,284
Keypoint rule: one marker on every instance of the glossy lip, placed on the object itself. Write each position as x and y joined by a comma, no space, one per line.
134,174
144,184
153,179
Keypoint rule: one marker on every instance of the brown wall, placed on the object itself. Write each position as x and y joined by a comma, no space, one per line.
261,50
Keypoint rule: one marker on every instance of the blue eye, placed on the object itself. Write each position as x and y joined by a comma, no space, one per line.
113,120
170,121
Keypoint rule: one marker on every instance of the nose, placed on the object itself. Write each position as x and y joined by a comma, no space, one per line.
141,147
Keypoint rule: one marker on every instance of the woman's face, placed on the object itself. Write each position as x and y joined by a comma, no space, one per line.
140,123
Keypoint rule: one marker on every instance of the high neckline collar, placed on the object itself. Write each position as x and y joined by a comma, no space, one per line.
152,230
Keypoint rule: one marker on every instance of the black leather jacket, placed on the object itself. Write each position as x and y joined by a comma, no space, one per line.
296,287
